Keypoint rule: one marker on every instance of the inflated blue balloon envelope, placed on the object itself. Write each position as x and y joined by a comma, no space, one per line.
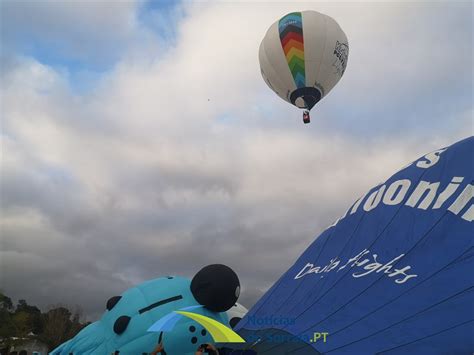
394,275
127,325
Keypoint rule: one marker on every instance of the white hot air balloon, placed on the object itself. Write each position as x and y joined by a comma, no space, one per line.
302,57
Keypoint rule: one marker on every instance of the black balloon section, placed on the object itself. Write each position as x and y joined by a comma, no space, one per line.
216,287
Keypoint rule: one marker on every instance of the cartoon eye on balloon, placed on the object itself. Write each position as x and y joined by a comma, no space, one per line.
216,288
302,57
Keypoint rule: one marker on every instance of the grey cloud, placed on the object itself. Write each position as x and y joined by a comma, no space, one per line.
126,182
259,234
90,34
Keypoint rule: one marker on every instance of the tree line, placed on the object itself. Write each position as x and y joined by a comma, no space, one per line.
23,321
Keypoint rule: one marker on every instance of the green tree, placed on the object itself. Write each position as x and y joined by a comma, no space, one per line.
54,327
5,302
7,325
27,319
60,325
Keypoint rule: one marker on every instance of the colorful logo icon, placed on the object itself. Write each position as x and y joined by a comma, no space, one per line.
218,331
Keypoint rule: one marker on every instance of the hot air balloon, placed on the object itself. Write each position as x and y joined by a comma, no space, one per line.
302,57
392,276
171,310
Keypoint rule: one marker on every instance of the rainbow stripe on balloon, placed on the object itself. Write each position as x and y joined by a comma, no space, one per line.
290,28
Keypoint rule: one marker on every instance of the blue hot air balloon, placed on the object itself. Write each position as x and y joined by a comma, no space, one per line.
148,314
394,275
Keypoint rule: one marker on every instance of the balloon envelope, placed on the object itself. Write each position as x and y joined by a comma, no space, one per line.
130,322
393,275
302,57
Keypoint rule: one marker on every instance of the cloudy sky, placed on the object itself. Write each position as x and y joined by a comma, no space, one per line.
138,139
